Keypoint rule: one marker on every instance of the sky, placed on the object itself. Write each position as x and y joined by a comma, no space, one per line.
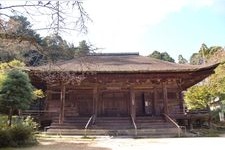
172,26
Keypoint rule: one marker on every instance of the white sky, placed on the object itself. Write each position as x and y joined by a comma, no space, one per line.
121,25
128,25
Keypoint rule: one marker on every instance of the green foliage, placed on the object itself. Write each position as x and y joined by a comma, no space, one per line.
198,97
38,93
15,49
19,25
5,138
16,91
196,59
21,132
182,60
216,83
56,48
162,56
204,54
12,64
83,48
4,67
51,48
3,122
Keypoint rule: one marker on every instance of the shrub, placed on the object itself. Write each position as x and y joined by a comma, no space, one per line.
5,139
19,134
3,122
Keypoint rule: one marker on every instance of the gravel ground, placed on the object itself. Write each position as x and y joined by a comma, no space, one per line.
109,143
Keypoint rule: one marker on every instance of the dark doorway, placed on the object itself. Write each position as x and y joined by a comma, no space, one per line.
144,103
115,104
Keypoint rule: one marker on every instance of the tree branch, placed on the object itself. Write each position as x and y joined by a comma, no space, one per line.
56,10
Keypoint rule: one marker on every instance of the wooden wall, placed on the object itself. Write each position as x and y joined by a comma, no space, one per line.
81,101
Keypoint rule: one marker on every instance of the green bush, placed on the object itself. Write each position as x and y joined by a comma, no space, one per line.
5,139
3,121
19,134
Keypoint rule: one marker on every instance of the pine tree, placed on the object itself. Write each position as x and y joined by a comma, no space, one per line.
16,92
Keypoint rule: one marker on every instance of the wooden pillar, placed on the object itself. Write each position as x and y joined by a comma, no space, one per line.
155,102
181,102
48,97
95,101
47,101
132,104
165,99
62,103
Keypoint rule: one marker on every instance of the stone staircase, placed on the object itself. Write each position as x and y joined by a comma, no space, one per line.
155,127
115,126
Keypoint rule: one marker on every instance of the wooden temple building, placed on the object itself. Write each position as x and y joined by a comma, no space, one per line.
119,94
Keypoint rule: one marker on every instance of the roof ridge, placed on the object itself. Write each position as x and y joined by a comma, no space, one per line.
115,54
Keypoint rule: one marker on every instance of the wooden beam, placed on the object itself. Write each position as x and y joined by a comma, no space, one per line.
62,103
165,99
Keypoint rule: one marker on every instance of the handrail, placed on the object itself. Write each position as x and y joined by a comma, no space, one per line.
134,124
172,121
87,124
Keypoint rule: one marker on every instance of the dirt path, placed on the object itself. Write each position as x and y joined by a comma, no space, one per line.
107,143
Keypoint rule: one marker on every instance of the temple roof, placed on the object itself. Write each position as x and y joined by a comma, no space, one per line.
121,63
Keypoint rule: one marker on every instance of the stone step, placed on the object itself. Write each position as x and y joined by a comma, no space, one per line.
172,132
149,120
116,126
114,118
149,126
127,126
66,127
113,121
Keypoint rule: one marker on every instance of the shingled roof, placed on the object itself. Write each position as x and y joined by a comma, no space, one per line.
120,62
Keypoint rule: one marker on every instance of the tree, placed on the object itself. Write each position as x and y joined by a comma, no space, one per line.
204,54
182,60
83,48
56,48
216,82
16,49
55,11
21,26
62,16
198,97
162,56
16,92
53,47
195,59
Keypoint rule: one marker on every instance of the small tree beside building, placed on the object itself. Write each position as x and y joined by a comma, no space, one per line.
16,92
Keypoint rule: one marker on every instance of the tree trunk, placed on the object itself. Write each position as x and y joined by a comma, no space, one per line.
10,117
